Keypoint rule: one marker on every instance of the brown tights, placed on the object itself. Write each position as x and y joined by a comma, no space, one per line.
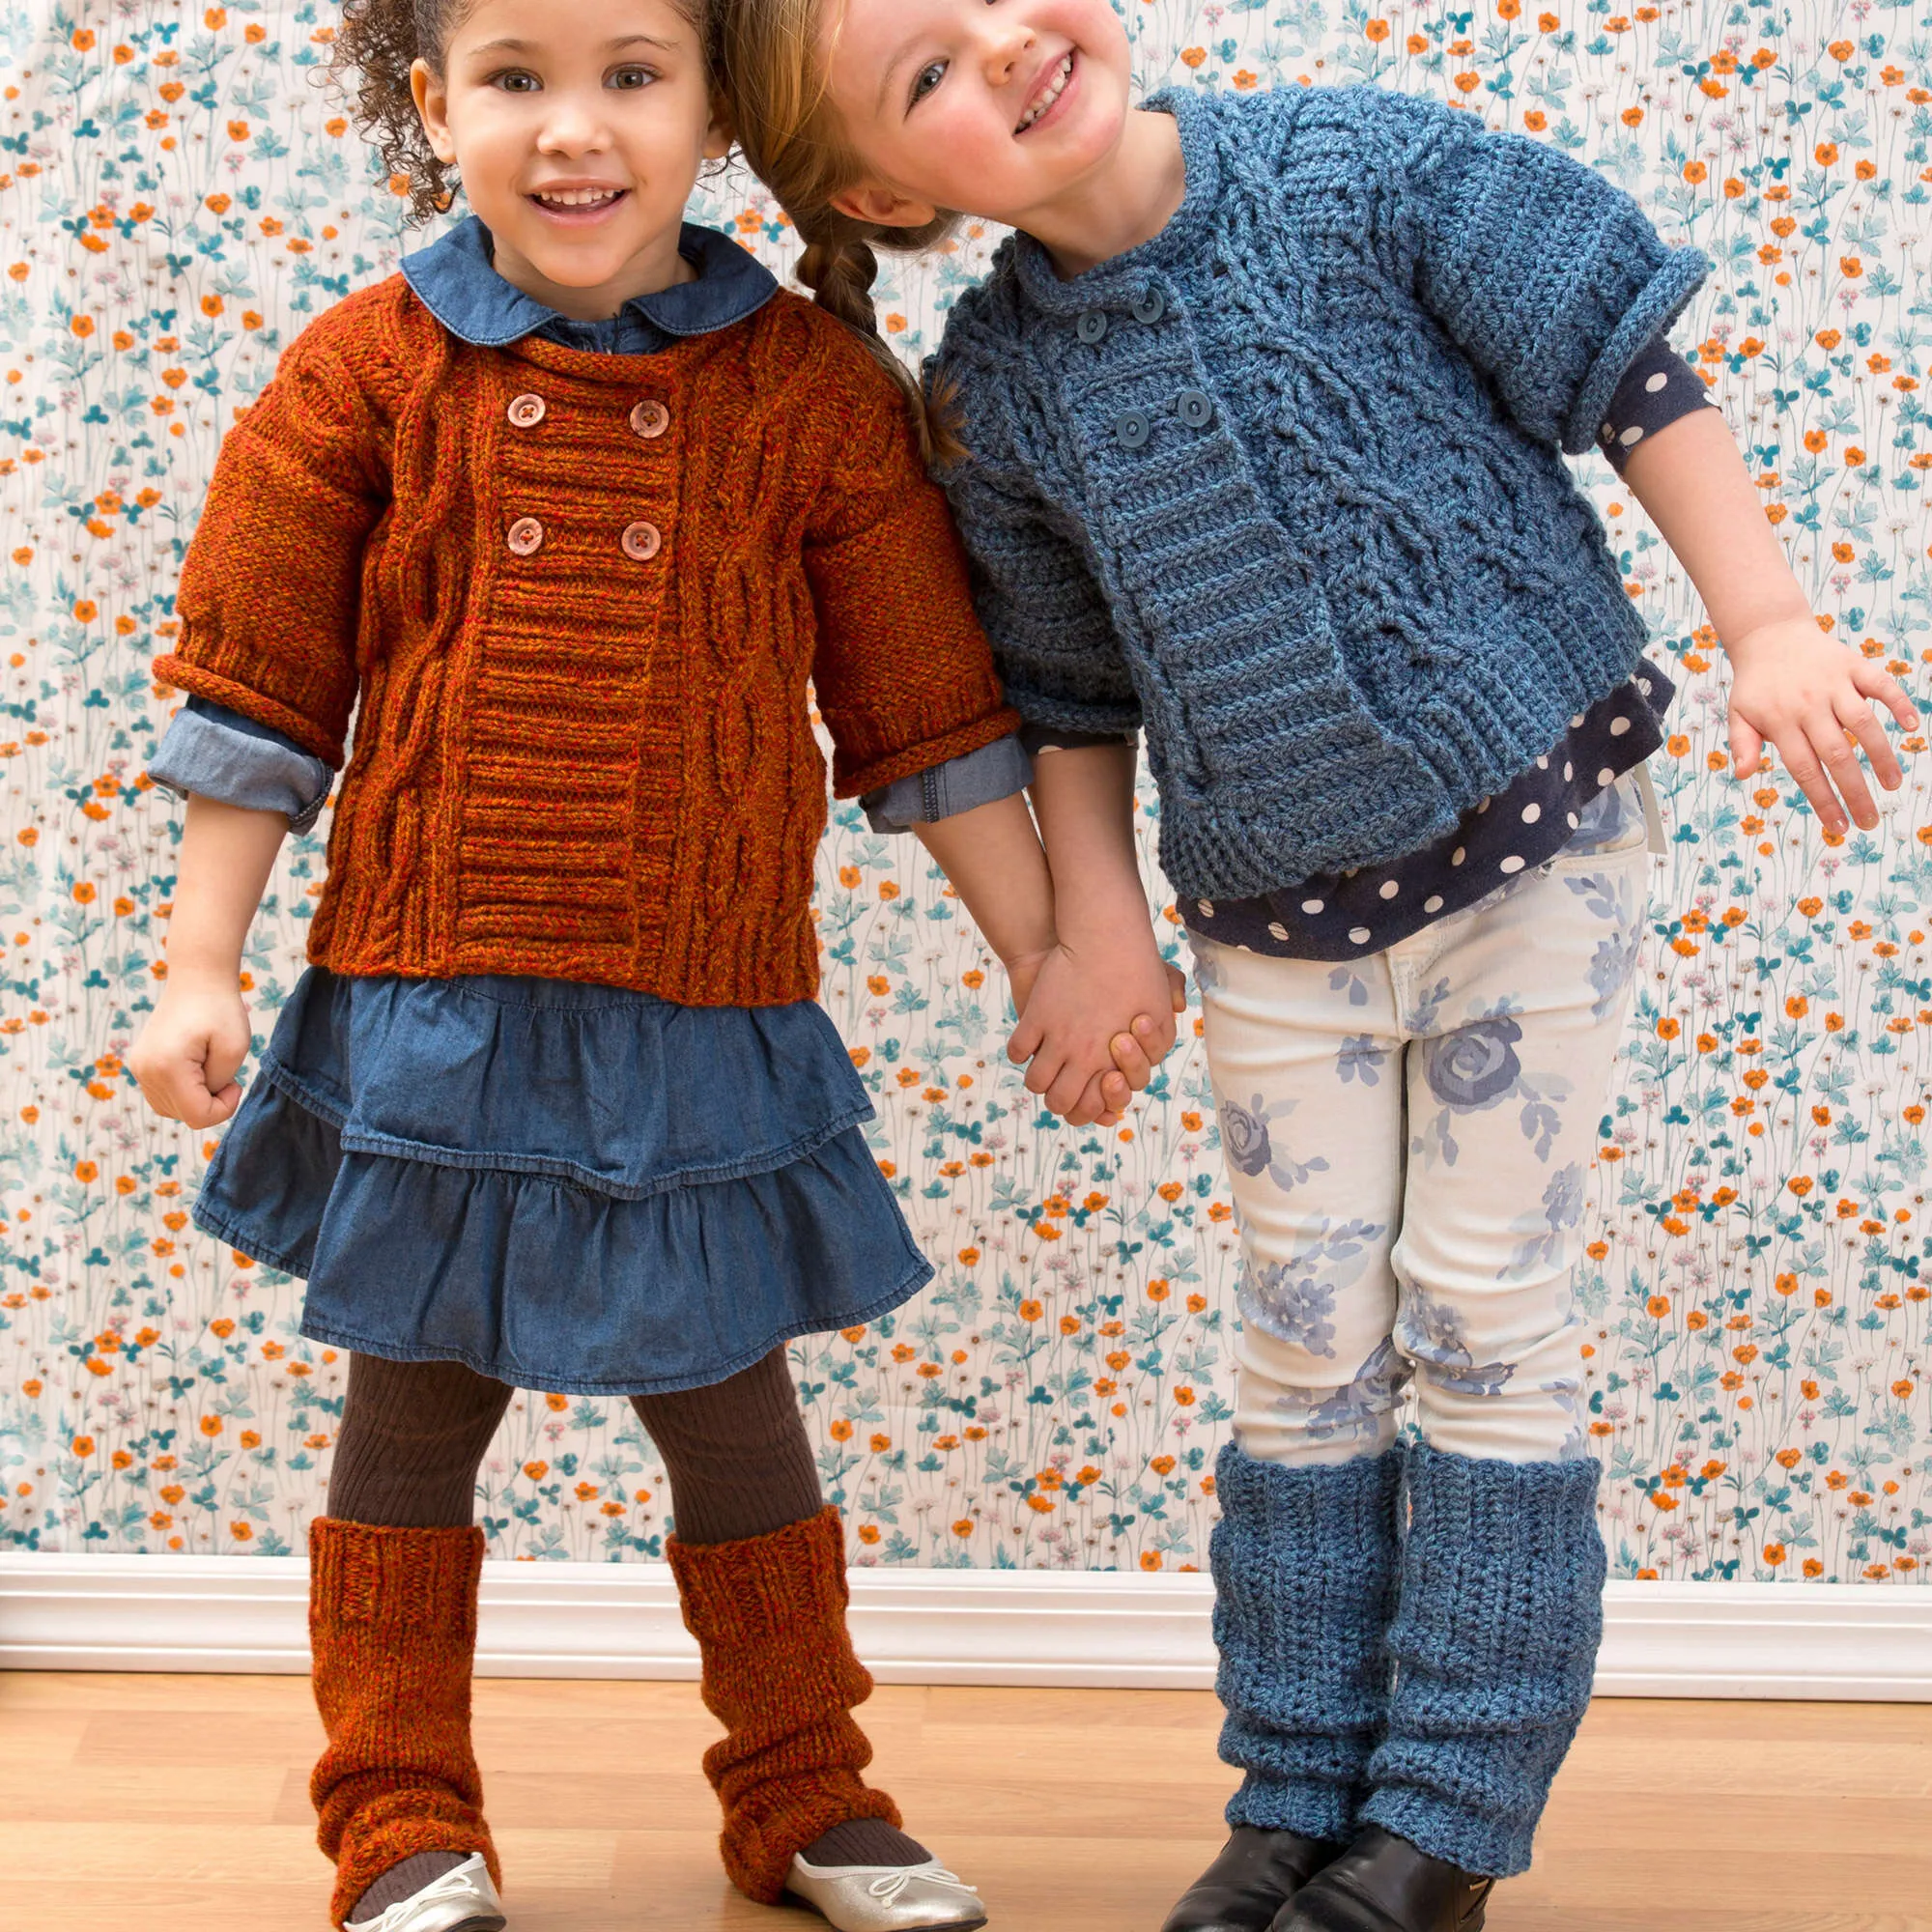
414,1433
739,1461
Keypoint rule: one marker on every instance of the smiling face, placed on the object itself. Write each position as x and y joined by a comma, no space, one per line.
579,130
1000,107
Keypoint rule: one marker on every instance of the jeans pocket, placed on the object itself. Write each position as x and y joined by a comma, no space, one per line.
1613,826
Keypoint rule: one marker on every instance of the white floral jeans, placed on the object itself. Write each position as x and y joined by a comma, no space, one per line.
1409,1137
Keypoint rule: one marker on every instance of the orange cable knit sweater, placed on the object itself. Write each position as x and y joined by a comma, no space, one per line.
573,601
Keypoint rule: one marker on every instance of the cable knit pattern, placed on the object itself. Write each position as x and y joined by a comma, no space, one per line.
392,1628
579,598
1305,1565
1494,1647
1283,484
780,1674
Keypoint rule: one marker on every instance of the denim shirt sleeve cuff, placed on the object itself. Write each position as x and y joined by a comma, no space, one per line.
993,771
210,751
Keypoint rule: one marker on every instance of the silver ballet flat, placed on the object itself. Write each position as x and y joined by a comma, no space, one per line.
888,1899
462,1900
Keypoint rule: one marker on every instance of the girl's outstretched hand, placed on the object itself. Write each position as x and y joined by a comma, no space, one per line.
1814,699
191,1051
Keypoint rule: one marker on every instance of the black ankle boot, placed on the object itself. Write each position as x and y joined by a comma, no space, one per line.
1255,1873
1384,1884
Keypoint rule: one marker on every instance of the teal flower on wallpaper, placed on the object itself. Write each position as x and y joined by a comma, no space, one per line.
177,197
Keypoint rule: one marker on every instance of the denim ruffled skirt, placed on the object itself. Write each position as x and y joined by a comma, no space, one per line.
569,1187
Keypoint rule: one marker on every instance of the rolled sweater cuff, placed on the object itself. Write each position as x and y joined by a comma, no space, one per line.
907,760
200,682
1662,301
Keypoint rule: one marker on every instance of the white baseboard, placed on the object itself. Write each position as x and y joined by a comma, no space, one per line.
1099,1628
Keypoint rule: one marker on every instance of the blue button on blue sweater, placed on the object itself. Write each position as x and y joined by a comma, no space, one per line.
1359,592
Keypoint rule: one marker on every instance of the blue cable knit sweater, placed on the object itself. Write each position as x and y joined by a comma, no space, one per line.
1284,486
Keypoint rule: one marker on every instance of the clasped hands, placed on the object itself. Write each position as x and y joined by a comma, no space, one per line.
1097,1014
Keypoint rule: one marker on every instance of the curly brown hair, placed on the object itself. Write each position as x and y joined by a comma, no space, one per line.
376,45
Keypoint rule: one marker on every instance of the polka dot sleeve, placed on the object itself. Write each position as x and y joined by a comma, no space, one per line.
1657,388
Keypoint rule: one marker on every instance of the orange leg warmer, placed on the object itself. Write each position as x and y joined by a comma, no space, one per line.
769,1616
392,1628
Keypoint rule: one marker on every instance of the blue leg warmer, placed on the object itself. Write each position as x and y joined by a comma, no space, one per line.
1305,1567
1494,1644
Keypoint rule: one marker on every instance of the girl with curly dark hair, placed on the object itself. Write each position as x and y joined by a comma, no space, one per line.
566,515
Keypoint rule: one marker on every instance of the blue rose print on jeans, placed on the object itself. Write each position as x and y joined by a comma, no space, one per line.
1353,1411
1244,1137
1546,1246
1291,1306
1434,1335
1475,1067
1295,1300
1614,902
1250,1145
1360,1059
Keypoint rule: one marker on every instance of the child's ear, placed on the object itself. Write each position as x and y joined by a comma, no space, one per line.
882,207
431,95
721,137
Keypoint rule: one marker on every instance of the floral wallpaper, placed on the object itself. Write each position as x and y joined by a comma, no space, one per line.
177,197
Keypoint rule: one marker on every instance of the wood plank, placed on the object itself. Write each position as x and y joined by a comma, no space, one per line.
183,1801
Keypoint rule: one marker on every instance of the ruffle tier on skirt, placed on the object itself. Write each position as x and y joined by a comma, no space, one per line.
568,1187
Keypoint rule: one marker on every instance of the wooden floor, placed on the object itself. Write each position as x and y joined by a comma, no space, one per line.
178,1805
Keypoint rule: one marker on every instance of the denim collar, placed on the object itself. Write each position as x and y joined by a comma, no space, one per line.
457,281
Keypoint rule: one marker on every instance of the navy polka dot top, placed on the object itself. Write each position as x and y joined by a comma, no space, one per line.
1339,915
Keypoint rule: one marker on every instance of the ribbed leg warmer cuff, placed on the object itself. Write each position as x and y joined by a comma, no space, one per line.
1495,1646
769,1616
392,1628
1305,1565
